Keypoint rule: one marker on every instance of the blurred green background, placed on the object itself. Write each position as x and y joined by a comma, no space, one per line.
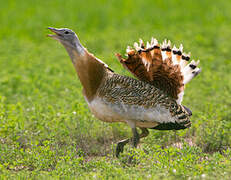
46,128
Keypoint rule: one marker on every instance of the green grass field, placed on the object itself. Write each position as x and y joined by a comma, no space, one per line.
46,129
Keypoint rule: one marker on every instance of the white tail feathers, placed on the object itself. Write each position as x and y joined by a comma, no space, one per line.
164,46
174,54
128,50
168,68
185,58
141,43
190,71
148,45
181,48
136,46
154,42
177,56
180,97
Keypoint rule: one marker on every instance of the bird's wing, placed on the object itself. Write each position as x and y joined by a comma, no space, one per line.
143,103
164,67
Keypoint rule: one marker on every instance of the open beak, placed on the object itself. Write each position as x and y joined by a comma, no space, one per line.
57,32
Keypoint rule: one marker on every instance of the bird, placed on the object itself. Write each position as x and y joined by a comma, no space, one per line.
150,100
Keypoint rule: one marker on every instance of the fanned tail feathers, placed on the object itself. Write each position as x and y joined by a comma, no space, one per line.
165,67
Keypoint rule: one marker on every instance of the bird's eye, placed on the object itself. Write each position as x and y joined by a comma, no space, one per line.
66,32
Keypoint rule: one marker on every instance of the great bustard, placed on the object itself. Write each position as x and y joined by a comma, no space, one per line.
153,101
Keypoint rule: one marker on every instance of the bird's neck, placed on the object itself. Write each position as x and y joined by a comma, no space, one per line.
90,70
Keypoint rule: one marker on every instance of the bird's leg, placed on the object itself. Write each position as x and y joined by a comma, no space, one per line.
135,140
120,146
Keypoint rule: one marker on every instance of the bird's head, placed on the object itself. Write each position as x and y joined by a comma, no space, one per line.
69,40
66,36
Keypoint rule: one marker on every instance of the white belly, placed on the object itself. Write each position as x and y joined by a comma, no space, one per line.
119,112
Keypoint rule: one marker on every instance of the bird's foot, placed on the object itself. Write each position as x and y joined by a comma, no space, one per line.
120,146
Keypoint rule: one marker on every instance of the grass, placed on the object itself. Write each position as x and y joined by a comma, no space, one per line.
46,129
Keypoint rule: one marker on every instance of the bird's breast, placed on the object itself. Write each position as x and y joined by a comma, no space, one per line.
105,111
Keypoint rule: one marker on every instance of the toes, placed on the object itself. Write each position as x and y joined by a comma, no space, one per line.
119,149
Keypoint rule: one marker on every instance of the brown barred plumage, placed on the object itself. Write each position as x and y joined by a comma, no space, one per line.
129,91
